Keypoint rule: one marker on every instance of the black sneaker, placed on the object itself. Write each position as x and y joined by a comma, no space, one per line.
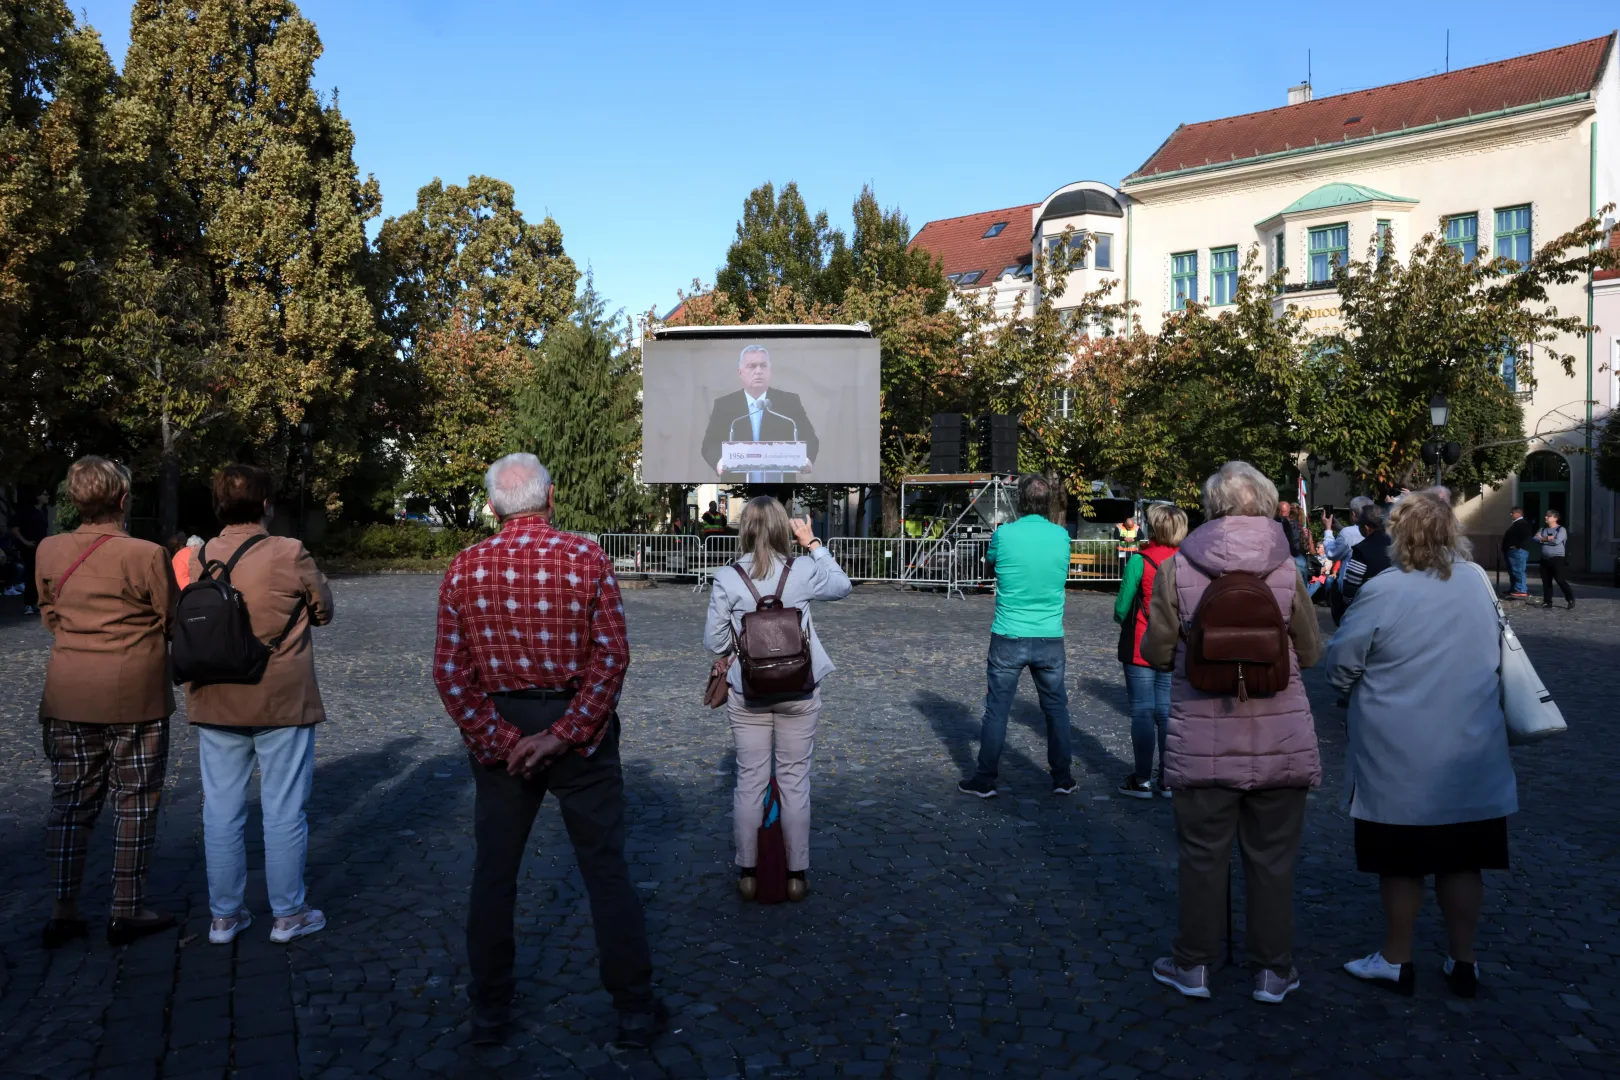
639,1030
1063,785
980,786
1569,605
1135,787
1464,978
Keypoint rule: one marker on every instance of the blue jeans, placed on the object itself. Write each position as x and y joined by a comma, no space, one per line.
1044,657
1518,560
1149,692
286,760
1303,562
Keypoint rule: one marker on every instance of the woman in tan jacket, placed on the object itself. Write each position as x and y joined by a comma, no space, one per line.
107,599
269,723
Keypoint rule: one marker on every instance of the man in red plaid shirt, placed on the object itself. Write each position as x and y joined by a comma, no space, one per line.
529,661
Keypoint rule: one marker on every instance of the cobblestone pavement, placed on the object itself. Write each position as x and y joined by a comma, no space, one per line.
944,936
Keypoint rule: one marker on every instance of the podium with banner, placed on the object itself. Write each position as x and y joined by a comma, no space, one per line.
763,462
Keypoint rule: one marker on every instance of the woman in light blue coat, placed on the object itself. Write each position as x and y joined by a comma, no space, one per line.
1429,780
781,728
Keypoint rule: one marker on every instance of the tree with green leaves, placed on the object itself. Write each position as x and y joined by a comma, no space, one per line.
1048,368
153,366
780,245
251,180
471,375
1607,452
1437,324
580,413
58,225
470,250
1214,385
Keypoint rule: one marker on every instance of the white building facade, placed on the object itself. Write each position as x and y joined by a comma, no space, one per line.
1496,159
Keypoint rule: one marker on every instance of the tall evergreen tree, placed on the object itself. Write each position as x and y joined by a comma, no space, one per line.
253,183
581,415
779,245
58,225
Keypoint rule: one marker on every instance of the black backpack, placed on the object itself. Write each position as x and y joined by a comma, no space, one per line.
213,639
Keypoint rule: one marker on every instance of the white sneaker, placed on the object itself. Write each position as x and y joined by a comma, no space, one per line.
15,590
1376,969
224,931
290,927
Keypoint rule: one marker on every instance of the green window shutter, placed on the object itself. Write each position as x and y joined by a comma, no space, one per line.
1183,279
1462,235
1329,247
1513,234
1223,275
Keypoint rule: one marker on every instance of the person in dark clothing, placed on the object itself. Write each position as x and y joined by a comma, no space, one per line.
1370,557
1516,553
1554,540
32,526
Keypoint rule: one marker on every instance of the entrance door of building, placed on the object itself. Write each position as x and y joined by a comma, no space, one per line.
1544,486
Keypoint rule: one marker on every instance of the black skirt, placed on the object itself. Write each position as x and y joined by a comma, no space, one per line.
1421,850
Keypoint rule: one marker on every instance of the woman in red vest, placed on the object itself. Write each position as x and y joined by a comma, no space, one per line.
1149,690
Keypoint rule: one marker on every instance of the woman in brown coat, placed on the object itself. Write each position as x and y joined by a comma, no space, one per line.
269,723
107,599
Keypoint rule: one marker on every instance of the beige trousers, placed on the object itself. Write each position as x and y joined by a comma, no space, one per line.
789,726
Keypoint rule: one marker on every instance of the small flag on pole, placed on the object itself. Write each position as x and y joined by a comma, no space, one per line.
1304,504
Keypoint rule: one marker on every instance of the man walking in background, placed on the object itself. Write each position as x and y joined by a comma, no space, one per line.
32,526
1030,558
1516,553
529,661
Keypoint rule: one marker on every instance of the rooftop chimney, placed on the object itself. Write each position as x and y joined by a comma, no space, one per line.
1298,95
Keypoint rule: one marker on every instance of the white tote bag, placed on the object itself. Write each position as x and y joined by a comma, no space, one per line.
1531,713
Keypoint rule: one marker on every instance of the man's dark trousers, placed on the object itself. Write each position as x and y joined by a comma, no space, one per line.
590,791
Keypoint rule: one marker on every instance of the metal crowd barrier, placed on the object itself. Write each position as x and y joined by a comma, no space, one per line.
925,563
1095,560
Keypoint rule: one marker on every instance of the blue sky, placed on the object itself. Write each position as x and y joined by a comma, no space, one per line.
641,127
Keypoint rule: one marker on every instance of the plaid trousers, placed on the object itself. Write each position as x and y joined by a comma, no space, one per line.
86,760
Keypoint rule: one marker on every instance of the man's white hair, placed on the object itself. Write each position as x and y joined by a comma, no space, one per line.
194,541
518,484
1240,490
742,357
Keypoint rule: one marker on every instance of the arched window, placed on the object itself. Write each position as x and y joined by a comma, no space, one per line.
1544,467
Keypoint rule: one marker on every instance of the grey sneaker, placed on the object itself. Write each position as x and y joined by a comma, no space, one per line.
306,920
1271,987
224,931
1190,982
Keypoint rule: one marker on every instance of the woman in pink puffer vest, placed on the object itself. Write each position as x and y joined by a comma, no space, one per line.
1235,768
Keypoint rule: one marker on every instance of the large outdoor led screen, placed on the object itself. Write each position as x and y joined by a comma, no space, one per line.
760,407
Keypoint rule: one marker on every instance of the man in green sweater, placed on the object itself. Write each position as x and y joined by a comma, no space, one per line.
1030,557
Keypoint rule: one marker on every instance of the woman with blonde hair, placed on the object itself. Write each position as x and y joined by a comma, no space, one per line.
1427,764
780,728
1147,689
107,600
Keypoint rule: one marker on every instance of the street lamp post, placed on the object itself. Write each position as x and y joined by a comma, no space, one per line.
1436,451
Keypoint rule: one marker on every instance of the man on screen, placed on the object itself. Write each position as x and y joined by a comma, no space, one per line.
758,413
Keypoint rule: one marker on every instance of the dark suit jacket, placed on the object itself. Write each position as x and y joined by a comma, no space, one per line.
734,406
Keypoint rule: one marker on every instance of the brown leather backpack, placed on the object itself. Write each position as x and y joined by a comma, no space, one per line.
773,647
1238,643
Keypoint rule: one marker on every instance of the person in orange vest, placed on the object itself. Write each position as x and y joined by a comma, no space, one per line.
1126,533
180,548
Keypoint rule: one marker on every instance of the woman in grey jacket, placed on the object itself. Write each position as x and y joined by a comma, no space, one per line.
1553,539
782,726
1428,776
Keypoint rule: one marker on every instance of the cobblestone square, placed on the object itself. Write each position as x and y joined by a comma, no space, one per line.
944,936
